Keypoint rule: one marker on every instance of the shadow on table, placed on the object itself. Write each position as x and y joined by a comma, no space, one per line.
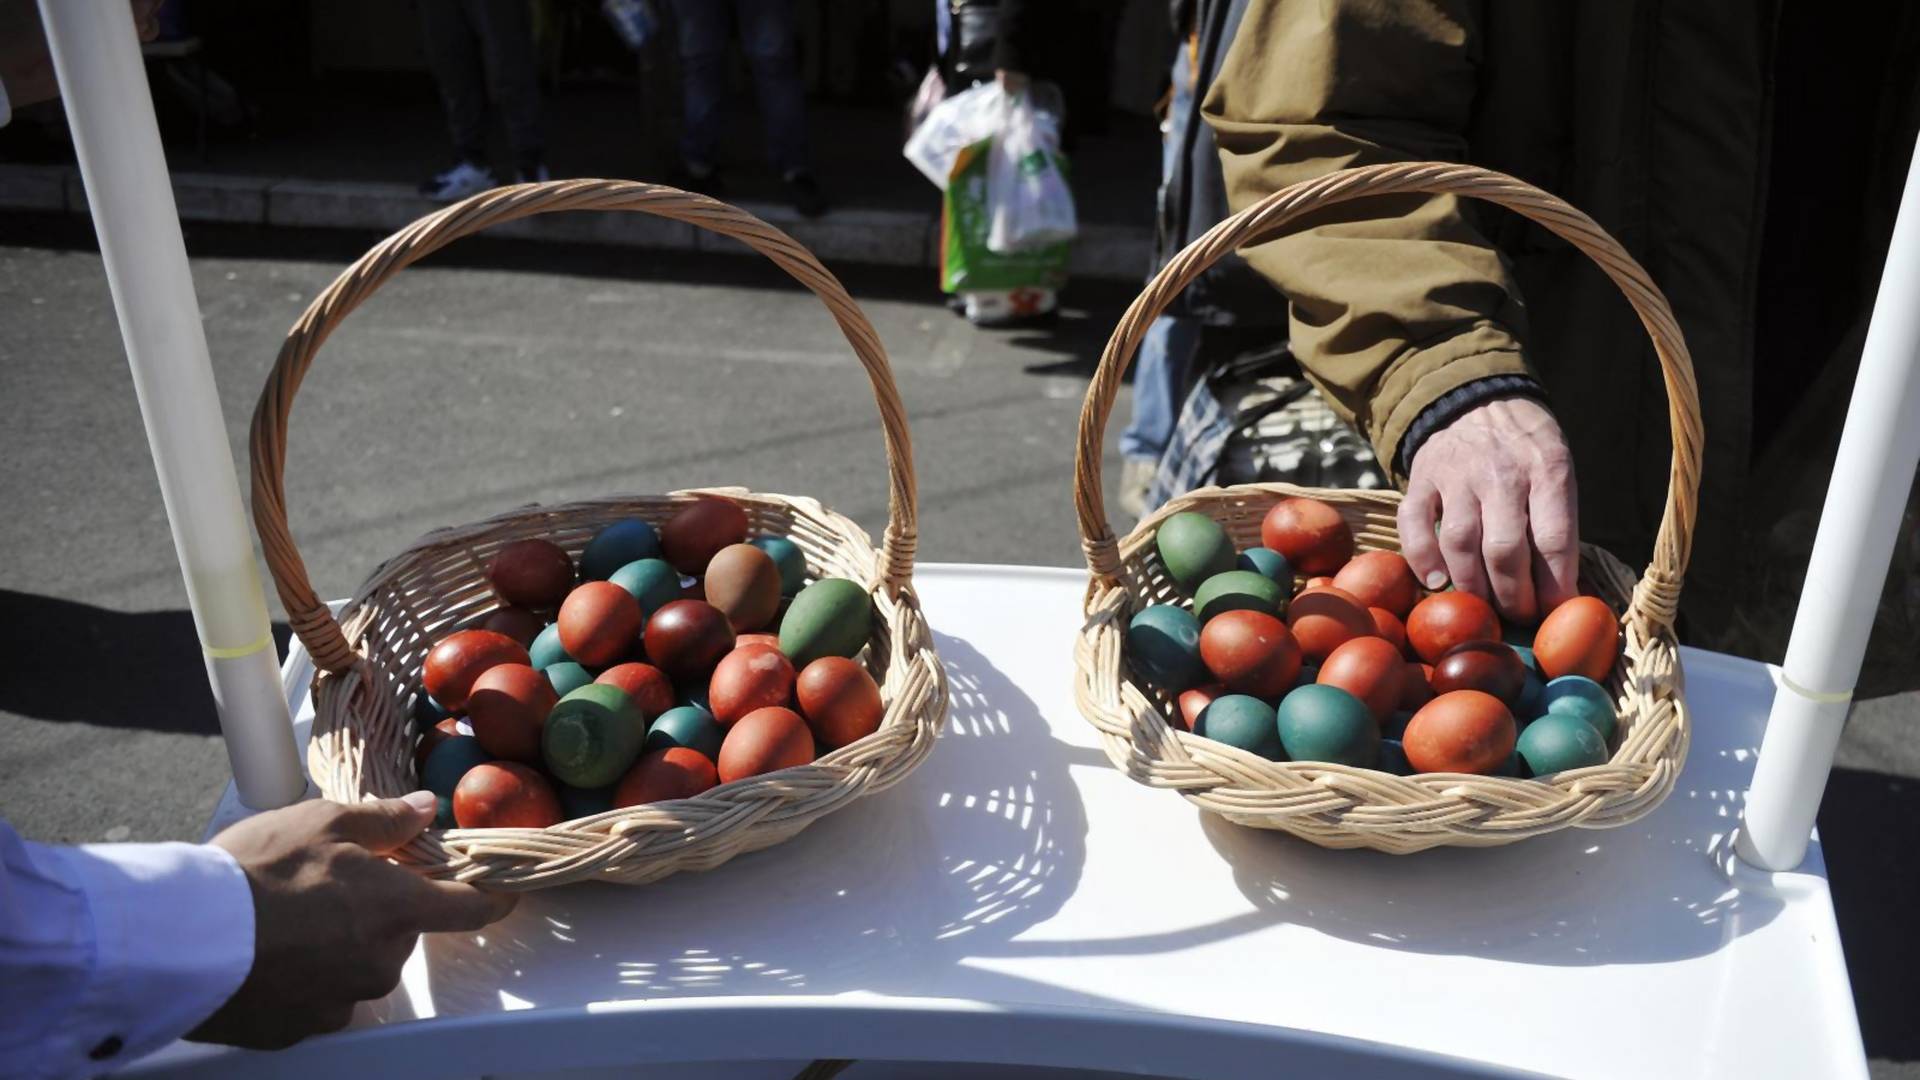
864,899
1873,858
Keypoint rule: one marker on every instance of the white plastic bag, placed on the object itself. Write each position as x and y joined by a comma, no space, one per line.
1030,204
953,125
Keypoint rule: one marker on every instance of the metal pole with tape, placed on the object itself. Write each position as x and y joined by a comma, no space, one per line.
1859,525
110,110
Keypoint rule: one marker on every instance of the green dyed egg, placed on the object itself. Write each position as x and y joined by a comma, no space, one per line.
686,725
444,767
615,546
1393,758
1163,644
1269,564
592,736
567,676
1193,547
831,617
1560,741
1325,723
584,802
1242,721
1238,590
1582,697
546,649
1396,726
653,582
788,557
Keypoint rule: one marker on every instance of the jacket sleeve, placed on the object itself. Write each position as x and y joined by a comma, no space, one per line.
1397,300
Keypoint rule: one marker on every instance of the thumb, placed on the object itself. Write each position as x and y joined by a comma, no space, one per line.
381,825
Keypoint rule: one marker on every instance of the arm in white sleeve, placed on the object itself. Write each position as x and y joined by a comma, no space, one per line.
109,951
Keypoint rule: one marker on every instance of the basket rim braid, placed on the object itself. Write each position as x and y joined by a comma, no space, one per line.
367,660
1335,805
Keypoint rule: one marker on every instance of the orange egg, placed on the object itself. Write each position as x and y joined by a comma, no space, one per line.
1388,625
1465,731
1580,637
1322,618
1193,702
599,624
1381,579
1320,582
647,685
1446,619
505,795
1311,534
762,741
840,701
1370,669
463,656
674,772
748,679
1251,652
693,536
771,641
1416,689
508,711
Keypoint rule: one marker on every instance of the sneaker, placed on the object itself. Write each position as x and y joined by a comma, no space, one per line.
1136,480
804,192
458,182
536,175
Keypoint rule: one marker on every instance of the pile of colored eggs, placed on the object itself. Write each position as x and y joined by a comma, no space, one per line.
680,659
1360,666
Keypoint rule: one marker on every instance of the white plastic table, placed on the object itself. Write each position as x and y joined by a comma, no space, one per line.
1017,901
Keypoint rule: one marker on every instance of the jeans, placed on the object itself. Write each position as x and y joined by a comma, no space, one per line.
767,39
480,49
1166,353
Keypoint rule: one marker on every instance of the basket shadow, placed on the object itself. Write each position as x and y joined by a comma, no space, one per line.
892,896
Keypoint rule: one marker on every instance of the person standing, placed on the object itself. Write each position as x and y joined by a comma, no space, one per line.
481,52
766,31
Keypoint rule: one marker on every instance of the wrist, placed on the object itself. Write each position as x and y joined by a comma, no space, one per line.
1454,404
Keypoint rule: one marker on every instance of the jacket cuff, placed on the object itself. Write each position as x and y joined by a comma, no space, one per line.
1457,402
1485,350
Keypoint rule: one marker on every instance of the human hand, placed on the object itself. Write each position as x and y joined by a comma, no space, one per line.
333,920
1013,82
1500,481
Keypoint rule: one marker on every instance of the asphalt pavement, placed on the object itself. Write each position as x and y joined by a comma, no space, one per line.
501,374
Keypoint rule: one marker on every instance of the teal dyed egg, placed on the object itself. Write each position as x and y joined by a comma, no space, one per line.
592,736
1599,717
1325,723
1269,564
788,557
546,649
1393,758
1238,590
653,582
567,676
428,711
1582,697
1515,767
831,617
697,697
444,767
1532,700
1193,548
584,802
1525,653
1560,741
615,546
1396,726
688,726
1242,721
1163,645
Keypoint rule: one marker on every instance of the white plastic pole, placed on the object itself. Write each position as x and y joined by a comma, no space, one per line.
1879,450
110,110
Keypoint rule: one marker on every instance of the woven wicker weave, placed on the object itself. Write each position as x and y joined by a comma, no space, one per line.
1334,805
369,660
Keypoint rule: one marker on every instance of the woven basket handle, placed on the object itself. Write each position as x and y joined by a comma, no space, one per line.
1659,590
309,617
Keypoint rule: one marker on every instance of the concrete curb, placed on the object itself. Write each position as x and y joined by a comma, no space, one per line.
882,237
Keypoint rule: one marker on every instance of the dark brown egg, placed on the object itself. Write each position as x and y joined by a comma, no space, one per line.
686,638
505,795
762,741
839,700
692,537
744,583
1489,666
516,622
747,679
531,574
508,708
599,624
647,685
460,658
1417,689
673,773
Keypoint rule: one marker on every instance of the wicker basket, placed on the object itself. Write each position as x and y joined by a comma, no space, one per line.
1333,805
368,661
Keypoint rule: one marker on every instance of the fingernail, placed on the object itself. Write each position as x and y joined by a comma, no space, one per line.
424,801
1436,579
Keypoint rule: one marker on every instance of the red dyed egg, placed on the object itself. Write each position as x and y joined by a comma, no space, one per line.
1312,535
1323,618
671,773
1465,731
599,624
1489,666
744,583
1416,687
1250,652
1193,702
461,657
432,737
505,795
1320,582
691,538
516,622
1381,579
686,638
839,700
647,685
749,679
531,574
1388,625
1370,669
771,641
762,741
508,710
1446,619
1580,637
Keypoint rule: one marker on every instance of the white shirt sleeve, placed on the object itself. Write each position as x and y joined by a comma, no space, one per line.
109,951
